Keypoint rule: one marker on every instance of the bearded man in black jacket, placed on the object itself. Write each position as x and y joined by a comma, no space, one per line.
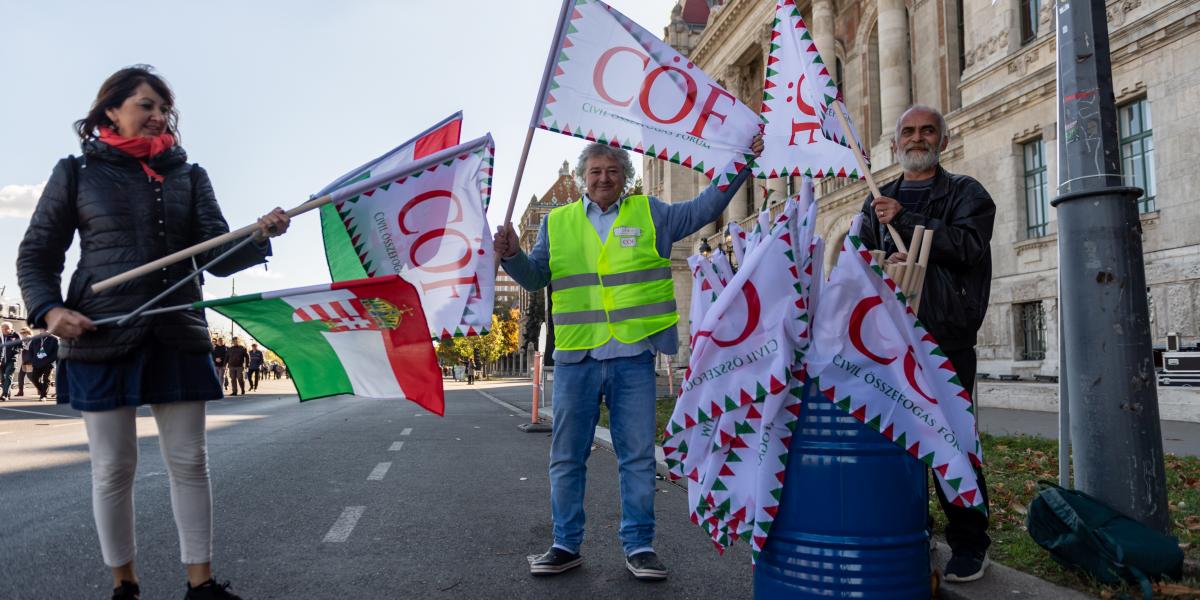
957,282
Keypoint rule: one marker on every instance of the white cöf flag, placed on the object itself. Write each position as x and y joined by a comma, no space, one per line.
732,425
615,83
872,358
803,136
429,225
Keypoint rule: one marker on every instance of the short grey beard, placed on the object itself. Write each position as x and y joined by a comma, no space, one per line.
923,162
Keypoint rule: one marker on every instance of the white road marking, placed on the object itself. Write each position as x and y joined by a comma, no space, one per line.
34,412
501,402
396,446
407,430
379,471
344,525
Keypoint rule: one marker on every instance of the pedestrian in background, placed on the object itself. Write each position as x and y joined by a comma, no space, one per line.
255,366
235,358
8,357
24,365
133,198
218,355
43,354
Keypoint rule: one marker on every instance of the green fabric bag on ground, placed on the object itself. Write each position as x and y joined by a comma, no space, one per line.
1083,533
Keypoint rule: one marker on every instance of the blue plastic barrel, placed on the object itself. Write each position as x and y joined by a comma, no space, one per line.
853,517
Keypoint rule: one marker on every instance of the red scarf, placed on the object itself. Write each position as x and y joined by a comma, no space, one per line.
140,147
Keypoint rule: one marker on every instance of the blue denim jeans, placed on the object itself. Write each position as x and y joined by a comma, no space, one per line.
628,387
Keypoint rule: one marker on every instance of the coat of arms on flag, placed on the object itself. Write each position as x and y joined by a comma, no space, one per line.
345,315
366,337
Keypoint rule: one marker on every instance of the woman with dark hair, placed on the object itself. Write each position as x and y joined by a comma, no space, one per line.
133,197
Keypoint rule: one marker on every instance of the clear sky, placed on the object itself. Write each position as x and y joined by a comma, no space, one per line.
279,98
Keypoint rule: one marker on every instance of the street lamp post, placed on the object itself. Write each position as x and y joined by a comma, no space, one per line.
1108,364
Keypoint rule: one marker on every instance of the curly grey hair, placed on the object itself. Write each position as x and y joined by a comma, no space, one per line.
597,149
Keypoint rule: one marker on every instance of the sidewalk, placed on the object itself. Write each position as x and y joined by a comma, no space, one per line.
999,582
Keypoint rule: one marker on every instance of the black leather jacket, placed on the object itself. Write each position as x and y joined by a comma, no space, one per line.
124,220
959,280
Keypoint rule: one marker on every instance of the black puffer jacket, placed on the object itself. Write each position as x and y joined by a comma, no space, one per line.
124,220
959,280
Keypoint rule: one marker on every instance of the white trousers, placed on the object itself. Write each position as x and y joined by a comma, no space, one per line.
112,443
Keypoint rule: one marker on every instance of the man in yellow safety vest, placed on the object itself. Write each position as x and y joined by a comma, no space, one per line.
607,262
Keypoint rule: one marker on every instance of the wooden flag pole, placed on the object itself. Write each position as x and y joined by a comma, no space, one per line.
337,195
204,246
910,263
865,170
923,266
555,48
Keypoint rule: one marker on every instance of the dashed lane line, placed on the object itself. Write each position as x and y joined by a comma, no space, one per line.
396,446
379,471
344,525
406,431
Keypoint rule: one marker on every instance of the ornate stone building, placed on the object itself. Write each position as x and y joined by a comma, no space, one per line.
990,67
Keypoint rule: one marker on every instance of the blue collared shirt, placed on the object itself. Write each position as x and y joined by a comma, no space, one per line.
672,222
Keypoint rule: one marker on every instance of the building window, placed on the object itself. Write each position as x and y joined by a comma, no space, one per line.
1137,150
1031,331
1036,204
837,73
1029,20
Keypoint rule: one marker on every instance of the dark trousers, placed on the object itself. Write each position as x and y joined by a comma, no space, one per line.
41,380
236,381
253,376
966,528
21,381
6,377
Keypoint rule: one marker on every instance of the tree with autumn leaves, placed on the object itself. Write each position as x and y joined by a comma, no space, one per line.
485,349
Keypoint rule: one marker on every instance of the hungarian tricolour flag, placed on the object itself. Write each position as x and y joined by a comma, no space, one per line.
733,421
803,136
365,337
873,359
428,224
613,82
340,255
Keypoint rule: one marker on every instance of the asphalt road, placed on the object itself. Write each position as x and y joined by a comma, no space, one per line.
340,498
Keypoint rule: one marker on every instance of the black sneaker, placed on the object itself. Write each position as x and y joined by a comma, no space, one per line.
554,561
211,590
127,591
646,566
965,566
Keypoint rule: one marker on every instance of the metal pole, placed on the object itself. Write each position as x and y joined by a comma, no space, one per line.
178,284
232,292
1113,403
1064,403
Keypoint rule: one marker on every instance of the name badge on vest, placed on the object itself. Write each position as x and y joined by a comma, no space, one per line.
628,235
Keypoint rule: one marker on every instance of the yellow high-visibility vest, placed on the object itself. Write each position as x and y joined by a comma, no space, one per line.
621,288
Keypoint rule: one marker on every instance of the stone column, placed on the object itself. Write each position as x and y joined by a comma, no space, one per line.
894,76
822,32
